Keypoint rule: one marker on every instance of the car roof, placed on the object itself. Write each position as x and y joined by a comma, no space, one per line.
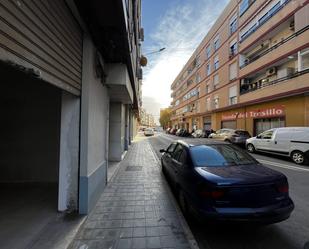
199,141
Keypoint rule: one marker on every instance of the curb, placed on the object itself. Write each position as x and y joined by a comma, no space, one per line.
188,233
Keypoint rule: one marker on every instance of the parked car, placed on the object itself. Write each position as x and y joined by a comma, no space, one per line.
292,142
148,132
197,134
218,180
167,130
179,131
173,131
231,136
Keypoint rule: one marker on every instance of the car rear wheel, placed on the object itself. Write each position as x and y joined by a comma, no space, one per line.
251,148
298,157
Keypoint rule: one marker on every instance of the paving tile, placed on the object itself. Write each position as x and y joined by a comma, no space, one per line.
135,210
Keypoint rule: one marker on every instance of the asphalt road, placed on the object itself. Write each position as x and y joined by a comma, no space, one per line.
290,234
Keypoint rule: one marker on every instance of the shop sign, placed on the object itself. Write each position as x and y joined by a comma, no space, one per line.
259,113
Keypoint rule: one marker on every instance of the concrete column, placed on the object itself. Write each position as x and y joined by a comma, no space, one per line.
69,152
116,132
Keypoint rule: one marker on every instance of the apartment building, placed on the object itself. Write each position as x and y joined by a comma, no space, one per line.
69,99
250,71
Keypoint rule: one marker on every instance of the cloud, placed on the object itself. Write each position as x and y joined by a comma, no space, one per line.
180,30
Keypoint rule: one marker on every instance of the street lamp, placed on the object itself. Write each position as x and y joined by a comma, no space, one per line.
143,59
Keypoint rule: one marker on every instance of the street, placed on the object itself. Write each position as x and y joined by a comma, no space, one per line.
290,234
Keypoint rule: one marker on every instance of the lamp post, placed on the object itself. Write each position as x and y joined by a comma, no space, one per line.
143,58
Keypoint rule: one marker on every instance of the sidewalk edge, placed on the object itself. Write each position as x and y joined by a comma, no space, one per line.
188,233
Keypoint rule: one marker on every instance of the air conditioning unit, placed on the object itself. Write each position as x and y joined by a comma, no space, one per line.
271,71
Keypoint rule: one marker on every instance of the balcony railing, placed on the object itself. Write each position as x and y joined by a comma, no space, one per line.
263,20
256,85
258,56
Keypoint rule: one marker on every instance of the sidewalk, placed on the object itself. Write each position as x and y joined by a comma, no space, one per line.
136,209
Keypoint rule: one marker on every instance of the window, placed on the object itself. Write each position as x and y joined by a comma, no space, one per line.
208,104
233,48
208,69
266,134
208,87
216,62
171,148
177,152
197,61
233,24
233,95
183,157
208,52
177,102
216,81
304,59
220,155
244,5
233,71
217,42
197,78
216,102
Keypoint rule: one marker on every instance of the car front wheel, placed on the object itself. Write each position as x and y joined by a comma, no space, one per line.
298,157
251,148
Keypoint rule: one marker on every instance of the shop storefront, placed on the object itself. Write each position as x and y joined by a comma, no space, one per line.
207,123
257,118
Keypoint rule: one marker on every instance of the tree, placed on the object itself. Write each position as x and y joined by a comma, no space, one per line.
165,117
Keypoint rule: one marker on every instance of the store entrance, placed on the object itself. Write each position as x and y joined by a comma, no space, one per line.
263,124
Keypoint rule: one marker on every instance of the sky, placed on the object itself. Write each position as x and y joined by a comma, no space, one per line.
178,26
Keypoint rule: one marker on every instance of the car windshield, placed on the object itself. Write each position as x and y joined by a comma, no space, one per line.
219,156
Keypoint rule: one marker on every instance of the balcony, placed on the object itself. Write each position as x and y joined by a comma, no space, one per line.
262,20
264,52
253,86
266,57
118,82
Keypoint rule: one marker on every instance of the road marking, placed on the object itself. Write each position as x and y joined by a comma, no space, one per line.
296,168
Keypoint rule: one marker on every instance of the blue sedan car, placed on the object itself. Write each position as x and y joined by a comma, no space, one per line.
217,180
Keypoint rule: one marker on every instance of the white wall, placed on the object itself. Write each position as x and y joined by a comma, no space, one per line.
94,130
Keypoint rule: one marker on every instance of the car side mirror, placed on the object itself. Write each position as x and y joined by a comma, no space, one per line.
162,151
259,137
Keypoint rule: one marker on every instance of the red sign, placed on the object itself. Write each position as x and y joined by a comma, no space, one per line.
260,113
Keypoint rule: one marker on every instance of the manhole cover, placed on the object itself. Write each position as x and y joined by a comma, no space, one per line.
134,168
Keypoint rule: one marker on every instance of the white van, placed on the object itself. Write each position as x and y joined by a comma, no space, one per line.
289,141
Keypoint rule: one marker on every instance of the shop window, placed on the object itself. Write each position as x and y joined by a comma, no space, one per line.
265,124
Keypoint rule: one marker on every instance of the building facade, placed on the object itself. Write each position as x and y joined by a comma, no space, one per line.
70,94
250,71
146,119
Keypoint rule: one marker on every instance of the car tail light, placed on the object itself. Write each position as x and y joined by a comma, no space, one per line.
283,188
213,194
